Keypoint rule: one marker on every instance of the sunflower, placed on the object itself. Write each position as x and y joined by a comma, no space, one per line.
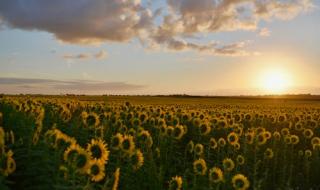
294,139
228,164
232,138
96,170
137,159
249,137
175,183
213,143
169,131
308,133
145,138
178,132
200,167
308,153
285,132
267,135
82,160
315,141
237,146
268,153
71,152
215,175
240,159
190,146
298,126
261,139
163,130
91,119
9,164
204,129
276,135
221,142
240,182
198,149
98,149
128,144
287,139
116,141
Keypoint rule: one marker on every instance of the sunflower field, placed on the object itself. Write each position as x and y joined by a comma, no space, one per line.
70,143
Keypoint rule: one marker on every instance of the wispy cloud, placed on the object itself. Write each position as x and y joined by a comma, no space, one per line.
264,32
96,21
83,56
30,85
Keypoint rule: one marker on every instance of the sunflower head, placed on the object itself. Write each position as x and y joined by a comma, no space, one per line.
137,159
190,146
215,175
175,183
240,182
240,159
116,141
204,128
308,133
98,150
268,153
198,149
128,145
200,167
232,138
178,132
228,164
82,160
213,143
96,170
221,142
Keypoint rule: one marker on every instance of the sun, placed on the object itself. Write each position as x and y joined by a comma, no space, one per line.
275,81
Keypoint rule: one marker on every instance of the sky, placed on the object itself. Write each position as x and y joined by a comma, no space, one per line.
203,47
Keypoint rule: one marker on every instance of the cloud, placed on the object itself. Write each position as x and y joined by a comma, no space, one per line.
101,55
80,56
83,56
98,21
29,85
264,32
85,21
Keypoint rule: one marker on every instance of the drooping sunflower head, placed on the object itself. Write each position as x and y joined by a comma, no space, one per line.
136,159
228,164
200,167
96,170
240,182
98,150
215,175
175,183
8,165
116,141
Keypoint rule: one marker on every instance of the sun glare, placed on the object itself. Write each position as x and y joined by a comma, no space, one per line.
275,82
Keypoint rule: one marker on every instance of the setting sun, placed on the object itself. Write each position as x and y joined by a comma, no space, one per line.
275,82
